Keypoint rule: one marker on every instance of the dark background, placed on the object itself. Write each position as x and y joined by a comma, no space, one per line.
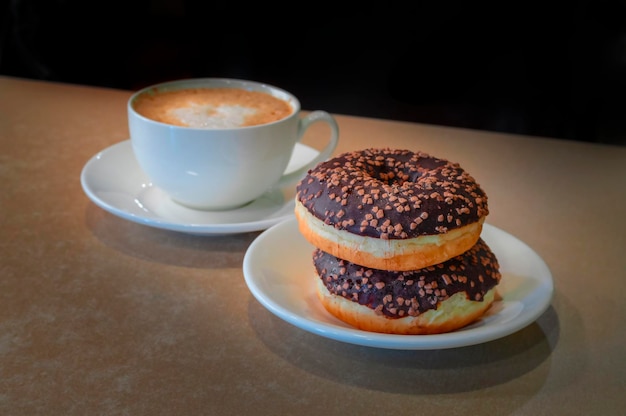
555,69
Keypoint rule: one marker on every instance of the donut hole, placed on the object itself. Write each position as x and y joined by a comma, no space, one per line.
392,174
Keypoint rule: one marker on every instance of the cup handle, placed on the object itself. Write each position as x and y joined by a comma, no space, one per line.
303,125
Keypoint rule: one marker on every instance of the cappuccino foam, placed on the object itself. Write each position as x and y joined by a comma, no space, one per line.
212,107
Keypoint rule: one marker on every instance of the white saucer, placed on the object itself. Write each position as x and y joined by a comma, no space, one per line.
278,269
113,180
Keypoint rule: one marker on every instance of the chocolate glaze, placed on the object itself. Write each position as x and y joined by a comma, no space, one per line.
398,294
392,194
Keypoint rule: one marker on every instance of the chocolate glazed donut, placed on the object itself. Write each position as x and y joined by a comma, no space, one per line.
390,209
436,299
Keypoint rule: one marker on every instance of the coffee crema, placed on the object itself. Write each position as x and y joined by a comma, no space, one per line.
212,107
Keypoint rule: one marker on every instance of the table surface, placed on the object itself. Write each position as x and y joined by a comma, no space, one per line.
100,315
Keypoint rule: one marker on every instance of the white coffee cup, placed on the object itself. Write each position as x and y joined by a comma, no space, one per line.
218,168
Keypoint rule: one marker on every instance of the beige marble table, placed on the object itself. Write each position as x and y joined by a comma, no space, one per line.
104,316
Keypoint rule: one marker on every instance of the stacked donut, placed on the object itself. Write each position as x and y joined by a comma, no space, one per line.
397,237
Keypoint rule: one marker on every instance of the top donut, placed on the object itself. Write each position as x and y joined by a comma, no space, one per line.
392,194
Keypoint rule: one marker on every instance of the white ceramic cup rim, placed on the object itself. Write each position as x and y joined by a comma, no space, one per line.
216,83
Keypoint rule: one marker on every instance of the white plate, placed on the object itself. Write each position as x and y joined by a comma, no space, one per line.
278,269
113,180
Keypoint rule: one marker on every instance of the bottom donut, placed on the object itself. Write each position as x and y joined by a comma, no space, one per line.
432,300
